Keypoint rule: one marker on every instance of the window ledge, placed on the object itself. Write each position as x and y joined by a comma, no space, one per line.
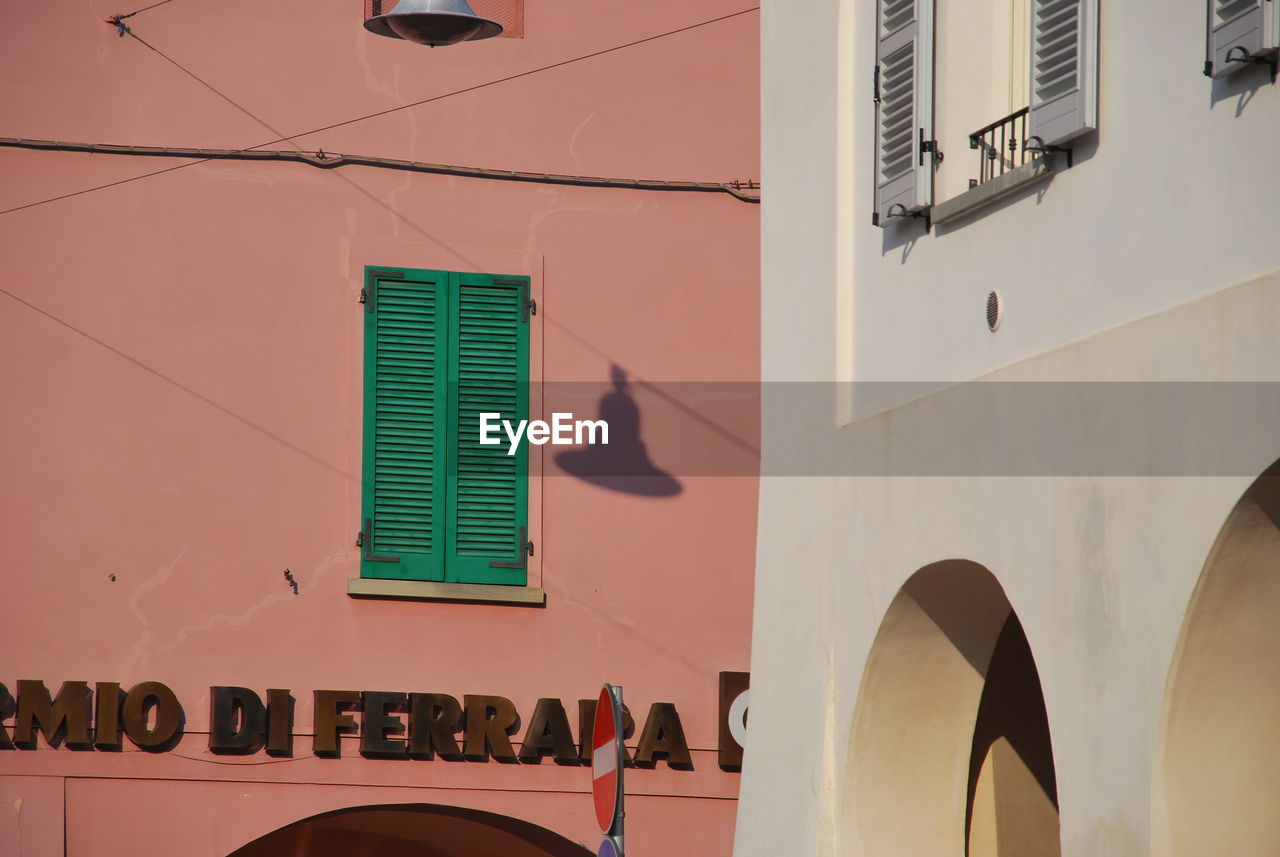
422,590
993,190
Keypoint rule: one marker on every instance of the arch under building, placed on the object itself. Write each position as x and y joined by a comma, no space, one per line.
1218,751
951,753
411,830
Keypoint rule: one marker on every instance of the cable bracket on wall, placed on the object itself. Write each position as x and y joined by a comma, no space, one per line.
117,21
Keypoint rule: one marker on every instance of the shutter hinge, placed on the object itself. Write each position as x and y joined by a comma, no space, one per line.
524,545
876,91
875,218
369,292
930,146
528,306
1208,68
365,540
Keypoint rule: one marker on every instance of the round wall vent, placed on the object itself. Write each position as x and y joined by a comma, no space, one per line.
995,311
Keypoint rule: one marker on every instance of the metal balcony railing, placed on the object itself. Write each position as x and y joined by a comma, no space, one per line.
1001,146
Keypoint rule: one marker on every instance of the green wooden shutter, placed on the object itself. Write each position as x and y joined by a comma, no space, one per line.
487,507
404,452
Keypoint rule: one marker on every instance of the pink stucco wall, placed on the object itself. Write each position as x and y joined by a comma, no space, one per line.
181,374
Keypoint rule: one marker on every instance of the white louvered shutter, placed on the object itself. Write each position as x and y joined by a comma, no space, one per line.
1064,69
1239,24
904,114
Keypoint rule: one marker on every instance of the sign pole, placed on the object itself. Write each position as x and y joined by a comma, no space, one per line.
616,692
608,757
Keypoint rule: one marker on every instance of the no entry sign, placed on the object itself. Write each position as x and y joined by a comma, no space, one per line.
606,760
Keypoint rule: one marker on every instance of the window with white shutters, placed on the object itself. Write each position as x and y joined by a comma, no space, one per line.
1064,99
904,101
1241,33
1014,89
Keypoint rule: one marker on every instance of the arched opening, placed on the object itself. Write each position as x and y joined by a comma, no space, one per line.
1219,772
951,753
411,830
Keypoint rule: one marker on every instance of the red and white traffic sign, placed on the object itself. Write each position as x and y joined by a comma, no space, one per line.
606,760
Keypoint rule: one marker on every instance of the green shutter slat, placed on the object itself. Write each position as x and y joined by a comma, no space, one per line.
488,492
397,431
404,399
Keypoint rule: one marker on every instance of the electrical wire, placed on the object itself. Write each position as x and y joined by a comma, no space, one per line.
83,191
191,391
140,11
281,138
329,160
118,21
521,74
209,86
123,29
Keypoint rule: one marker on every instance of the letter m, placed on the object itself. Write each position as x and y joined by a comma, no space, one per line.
66,716
589,427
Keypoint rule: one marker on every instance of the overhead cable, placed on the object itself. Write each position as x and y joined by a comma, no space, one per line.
290,139
118,21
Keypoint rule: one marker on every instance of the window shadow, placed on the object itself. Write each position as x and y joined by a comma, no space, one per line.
623,463
1241,85
1083,148
904,234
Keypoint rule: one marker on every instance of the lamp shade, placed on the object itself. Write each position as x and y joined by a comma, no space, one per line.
432,22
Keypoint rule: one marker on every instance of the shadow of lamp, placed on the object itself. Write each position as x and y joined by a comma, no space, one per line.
623,464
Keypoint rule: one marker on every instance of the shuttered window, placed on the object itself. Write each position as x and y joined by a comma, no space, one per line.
1061,73
1064,63
1240,30
904,101
440,349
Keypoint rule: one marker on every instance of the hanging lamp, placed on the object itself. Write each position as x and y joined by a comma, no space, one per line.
431,22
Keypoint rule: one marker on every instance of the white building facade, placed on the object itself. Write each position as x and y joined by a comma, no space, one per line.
1018,564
